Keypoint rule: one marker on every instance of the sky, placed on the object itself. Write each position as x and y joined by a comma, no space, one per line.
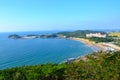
38,15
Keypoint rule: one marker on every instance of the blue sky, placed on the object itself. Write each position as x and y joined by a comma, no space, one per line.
37,15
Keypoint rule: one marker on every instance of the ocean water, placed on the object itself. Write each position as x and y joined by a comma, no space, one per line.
21,52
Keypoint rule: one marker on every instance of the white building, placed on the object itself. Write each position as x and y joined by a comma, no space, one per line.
96,35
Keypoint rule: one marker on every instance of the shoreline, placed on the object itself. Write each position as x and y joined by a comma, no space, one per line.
96,47
101,45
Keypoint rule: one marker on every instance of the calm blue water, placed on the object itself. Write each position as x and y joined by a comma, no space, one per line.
37,51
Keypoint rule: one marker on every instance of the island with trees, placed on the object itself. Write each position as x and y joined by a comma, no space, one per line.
31,36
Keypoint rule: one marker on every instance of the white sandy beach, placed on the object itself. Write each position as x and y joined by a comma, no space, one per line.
98,46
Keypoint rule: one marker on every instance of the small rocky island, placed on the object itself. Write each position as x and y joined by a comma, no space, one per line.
32,36
14,36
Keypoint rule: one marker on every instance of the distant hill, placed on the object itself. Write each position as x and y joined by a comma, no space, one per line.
79,33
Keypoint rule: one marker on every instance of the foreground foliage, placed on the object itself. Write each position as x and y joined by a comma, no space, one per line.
96,66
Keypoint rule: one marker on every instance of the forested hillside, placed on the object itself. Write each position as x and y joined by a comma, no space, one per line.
96,66
79,33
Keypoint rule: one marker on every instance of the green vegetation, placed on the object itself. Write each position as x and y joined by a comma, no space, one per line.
97,66
82,34
114,34
116,37
96,39
48,36
78,33
15,36
117,42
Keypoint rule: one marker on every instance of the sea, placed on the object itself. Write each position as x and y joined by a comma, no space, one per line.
25,52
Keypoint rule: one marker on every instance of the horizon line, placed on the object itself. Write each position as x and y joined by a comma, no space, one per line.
60,30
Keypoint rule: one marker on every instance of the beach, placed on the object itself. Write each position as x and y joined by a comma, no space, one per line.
95,46
115,47
102,46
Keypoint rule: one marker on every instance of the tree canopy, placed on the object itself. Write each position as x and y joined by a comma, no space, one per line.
97,66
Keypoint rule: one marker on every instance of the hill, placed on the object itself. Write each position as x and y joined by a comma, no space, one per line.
96,66
79,33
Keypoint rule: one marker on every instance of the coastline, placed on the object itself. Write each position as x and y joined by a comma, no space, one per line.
115,47
102,46
95,46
